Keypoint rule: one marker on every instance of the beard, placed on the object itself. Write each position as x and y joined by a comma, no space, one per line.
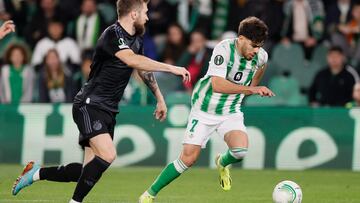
139,28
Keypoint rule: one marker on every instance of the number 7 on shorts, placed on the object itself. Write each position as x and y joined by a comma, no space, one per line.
194,123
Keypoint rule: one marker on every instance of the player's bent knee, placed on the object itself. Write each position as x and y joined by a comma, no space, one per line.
239,152
108,156
190,154
189,160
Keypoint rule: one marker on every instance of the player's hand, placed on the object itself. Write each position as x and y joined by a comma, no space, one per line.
160,111
181,72
262,91
6,28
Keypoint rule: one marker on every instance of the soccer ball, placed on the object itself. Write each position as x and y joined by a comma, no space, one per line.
287,192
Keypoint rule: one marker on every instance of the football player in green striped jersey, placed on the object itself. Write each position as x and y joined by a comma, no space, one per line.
235,70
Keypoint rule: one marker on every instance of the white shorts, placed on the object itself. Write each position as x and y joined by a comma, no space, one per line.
201,125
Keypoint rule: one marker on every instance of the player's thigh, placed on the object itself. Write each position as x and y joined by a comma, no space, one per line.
198,131
233,131
102,146
91,122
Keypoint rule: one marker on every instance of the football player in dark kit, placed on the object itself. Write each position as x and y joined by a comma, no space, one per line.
118,52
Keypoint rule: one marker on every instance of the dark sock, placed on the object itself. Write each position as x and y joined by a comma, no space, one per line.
68,173
90,174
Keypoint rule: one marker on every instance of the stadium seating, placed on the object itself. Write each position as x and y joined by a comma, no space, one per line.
257,100
272,70
287,91
319,55
288,57
306,74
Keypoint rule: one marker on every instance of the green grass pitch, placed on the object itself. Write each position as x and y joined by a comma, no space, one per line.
198,185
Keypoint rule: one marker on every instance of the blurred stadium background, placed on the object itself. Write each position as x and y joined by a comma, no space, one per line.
308,133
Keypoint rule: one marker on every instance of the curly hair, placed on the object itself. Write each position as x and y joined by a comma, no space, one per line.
23,49
254,29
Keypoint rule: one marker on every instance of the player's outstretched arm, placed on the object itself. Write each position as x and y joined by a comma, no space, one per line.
6,28
221,85
143,63
150,80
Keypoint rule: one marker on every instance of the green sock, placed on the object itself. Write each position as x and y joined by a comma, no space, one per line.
170,173
229,158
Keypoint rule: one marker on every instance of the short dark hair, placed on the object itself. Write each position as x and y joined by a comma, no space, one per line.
125,6
254,29
336,49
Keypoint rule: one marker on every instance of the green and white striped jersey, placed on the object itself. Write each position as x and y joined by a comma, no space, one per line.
226,62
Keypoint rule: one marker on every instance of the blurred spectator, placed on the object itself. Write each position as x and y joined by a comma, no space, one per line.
82,76
223,18
160,16
333,85
150,48
8,35
17,77
137,93
87,28
6,28
108,11
15,10
196,14
226,35
273,16
240,9
175,44
338,13
196,58
71,7
347,37
46,11
327,3
303,23
55,83
355,97
66,47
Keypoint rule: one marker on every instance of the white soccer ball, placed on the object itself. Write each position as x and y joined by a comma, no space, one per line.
287,192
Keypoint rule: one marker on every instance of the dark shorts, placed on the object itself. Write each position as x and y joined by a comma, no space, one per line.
92,121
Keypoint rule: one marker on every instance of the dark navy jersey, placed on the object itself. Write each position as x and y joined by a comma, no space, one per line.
109,75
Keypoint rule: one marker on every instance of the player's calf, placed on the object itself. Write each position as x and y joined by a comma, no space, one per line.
32,173
90,175
63,173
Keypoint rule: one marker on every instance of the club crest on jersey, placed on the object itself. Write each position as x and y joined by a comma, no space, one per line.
97,125
218,60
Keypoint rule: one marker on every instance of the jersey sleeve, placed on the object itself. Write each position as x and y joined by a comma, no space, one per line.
219,60
263,58
114,42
